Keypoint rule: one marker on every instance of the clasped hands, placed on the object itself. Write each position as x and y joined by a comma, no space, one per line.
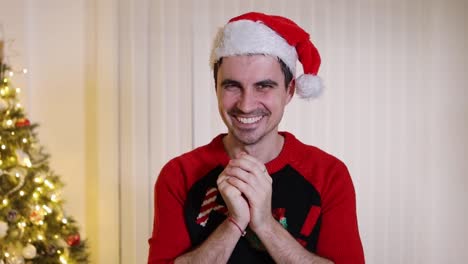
246,188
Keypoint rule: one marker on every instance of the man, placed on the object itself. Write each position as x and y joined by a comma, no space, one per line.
256,195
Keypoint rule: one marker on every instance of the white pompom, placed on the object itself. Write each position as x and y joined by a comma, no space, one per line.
23,158
16,260
309,86
3,229
3,105
29,252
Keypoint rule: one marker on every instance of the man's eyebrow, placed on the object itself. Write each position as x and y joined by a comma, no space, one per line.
230,82
267,82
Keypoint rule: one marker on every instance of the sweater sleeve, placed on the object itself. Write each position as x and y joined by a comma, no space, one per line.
170,236
339,238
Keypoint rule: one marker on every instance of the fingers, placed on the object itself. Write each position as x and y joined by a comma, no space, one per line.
248,163
237,172
251,165
248,178
221,178
243,187
247,174
236,204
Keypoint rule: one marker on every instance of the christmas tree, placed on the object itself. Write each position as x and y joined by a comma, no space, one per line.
33,225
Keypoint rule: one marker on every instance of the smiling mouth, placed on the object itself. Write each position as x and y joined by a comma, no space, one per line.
248,120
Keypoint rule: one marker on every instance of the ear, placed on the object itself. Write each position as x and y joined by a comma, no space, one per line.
291,90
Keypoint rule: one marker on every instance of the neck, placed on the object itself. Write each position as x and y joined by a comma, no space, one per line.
265,150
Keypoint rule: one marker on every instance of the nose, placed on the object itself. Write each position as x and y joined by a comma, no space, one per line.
247,101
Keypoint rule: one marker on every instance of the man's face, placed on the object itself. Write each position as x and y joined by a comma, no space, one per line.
251,96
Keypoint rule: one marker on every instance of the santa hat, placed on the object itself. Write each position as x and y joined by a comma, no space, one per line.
258,33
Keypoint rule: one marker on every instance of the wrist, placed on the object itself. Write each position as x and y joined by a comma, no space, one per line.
243,222
266,227
233,222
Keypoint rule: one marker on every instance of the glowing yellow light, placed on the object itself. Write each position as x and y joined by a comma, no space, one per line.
63,260
5,80
7,88
56,236
7,254
2,92
35,195
38,180
12,133
59,251
41,222
40,237
49,184
25,70
53,198
64,220
5,202
25,140
9,122
47,209
27,162
37,207
3,147
18,90
1,162
11,73
39,189
18,105
21,193
22,225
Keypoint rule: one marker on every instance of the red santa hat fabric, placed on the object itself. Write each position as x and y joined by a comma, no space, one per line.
258,33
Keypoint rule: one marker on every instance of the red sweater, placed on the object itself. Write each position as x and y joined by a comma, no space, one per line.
313,198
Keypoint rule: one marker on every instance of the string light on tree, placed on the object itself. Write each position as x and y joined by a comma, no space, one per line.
33,225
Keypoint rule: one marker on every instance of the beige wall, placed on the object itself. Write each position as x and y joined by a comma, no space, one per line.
120,87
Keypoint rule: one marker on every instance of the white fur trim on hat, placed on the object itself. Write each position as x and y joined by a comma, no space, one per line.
309,86
245,37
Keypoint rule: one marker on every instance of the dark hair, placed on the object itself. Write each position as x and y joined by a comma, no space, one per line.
288,76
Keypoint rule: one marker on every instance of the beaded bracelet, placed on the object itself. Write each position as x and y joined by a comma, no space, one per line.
243,232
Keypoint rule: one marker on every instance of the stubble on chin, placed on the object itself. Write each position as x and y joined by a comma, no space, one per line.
246,138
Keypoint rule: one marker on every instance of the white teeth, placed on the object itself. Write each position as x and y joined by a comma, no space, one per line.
249,120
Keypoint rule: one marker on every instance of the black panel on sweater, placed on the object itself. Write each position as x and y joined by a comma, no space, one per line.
291,191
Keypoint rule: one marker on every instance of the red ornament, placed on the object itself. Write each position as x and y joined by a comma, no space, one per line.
23,122
73,240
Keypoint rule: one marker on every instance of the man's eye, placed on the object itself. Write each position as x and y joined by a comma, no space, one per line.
230,87
264,86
